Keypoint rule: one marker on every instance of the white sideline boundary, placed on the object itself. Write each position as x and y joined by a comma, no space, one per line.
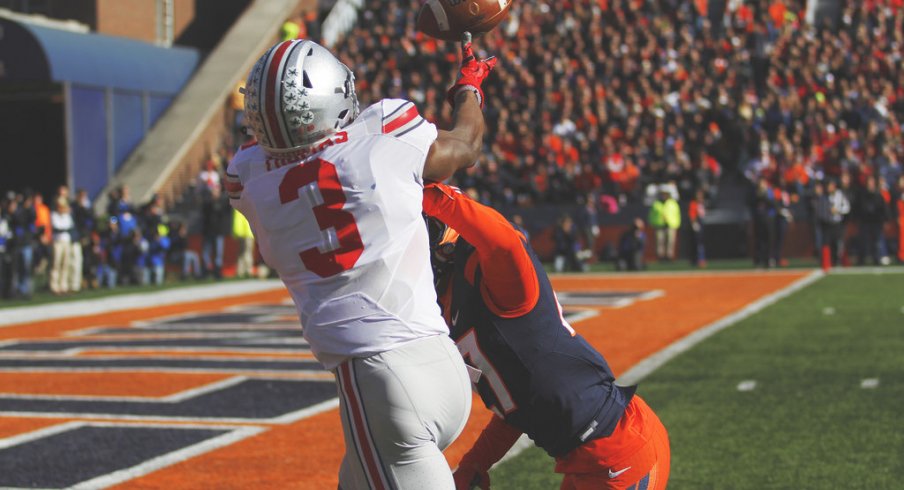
647,366
27,314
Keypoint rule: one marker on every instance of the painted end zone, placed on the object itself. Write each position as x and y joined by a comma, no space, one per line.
302,449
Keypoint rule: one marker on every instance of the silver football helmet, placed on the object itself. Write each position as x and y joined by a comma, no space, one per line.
296,95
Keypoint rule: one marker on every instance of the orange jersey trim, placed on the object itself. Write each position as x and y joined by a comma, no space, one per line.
509,285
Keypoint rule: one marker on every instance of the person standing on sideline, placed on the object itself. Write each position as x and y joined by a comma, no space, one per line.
22,222
871,212
899,207
5,258
665,219
529,366
631,245
763,209
696,213
215,225
44,229
62,227
334,198
83,216
241,230
565,248
831,209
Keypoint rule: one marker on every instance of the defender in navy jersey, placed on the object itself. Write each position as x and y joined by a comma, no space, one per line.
528,365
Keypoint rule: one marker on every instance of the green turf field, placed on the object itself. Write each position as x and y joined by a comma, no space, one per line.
808,423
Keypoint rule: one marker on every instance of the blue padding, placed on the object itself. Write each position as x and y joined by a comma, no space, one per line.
89,139
156,106
128,124
108,61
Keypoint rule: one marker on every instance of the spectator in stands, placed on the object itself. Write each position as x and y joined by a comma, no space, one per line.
782,221
813,208
181,254
120,202
237,106
158,248
899,216
209,178
153,214
518,221
93,260
696,214
871,212
5,258
133,258
62,228
111,243
658,86
216,224
292,29
631,246
566,246
589,226
44,234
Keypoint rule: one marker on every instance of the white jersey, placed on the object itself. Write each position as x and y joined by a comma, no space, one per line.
343,228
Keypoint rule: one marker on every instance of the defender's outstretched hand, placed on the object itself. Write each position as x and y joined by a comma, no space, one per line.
472,72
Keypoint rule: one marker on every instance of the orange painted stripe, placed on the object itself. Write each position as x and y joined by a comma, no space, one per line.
104,384
14,426
307,453
56,328
197,354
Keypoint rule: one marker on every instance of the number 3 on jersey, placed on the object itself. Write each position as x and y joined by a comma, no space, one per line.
329,215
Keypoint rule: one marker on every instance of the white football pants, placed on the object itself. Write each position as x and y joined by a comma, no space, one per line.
400,409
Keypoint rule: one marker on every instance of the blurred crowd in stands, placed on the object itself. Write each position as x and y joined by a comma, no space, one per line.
596,105
608,101
63,246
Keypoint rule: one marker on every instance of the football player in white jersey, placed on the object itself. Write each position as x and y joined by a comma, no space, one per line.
334,200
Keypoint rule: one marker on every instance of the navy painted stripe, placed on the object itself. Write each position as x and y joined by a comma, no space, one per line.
65,459
250,399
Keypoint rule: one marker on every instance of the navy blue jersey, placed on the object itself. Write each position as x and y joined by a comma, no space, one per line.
539,375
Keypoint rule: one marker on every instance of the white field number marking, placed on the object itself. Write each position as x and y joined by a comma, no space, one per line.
747,385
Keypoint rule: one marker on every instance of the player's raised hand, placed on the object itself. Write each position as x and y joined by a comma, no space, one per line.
472,72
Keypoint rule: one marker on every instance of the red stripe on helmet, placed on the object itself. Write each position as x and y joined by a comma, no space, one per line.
271,101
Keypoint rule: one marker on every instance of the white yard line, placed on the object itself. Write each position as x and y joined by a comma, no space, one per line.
645,367
67,309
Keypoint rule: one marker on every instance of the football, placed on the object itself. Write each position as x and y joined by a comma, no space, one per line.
448,19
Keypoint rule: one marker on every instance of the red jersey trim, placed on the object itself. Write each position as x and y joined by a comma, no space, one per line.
401,120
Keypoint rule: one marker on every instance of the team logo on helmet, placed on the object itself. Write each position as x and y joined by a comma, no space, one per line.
297,95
